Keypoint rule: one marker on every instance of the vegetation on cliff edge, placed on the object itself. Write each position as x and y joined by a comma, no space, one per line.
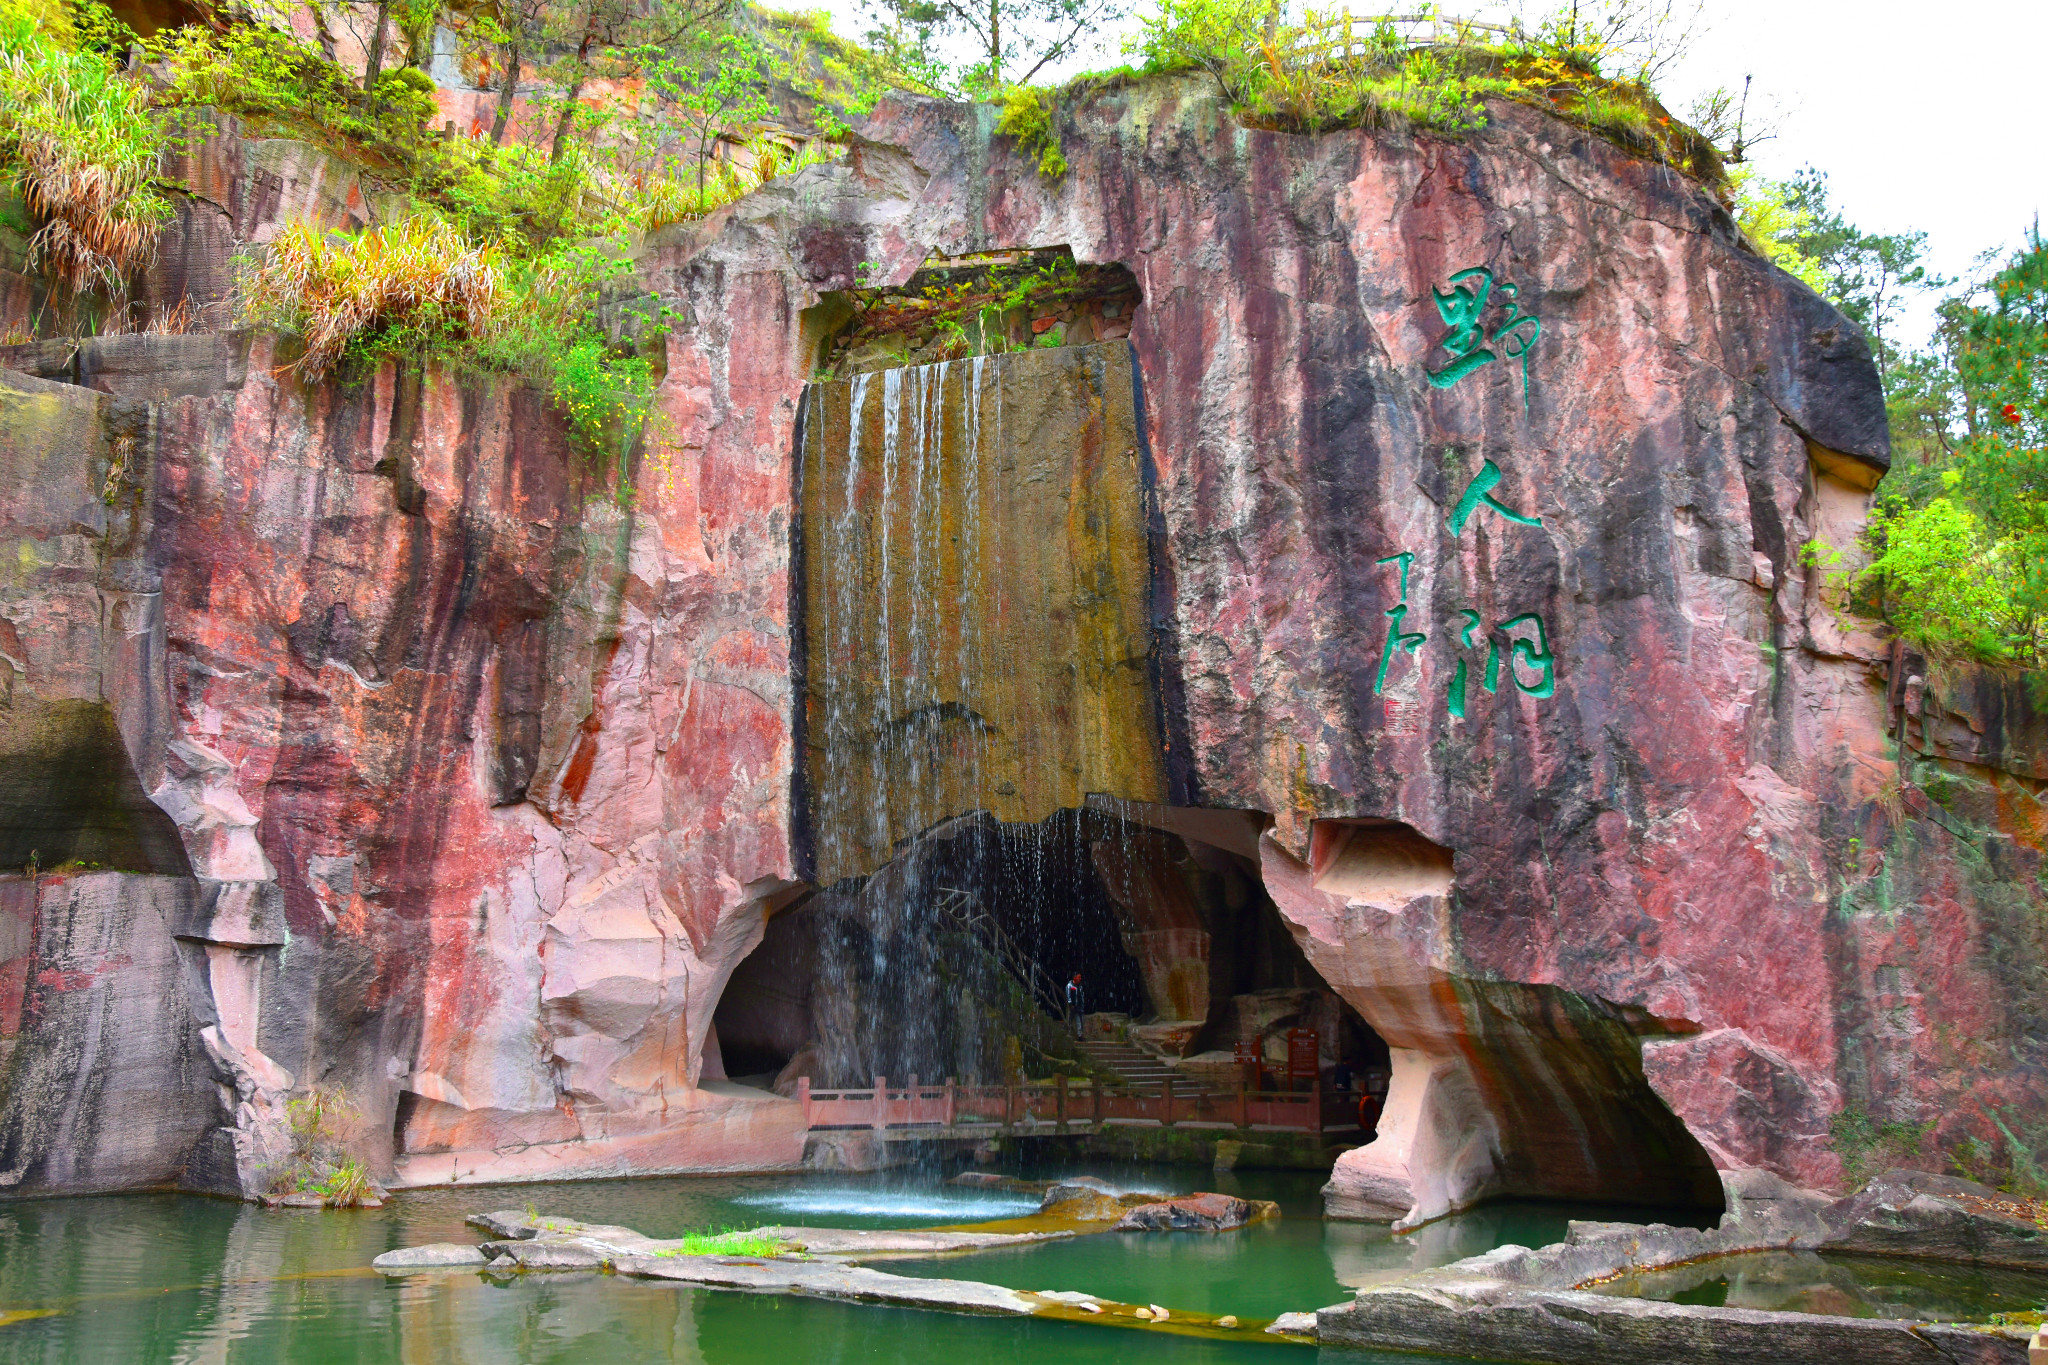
79,143
1955,555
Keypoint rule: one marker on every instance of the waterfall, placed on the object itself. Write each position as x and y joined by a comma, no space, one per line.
975,593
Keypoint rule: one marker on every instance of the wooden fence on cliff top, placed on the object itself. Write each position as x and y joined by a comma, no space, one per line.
1047,1109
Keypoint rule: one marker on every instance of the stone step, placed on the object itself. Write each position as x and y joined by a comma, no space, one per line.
1140,1071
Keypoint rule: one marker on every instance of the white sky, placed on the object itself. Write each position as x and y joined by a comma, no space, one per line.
1932,117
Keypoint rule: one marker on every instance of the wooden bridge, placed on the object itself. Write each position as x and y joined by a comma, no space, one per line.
921,1113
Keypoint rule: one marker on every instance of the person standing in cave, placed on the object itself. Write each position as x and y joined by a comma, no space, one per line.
1076,1004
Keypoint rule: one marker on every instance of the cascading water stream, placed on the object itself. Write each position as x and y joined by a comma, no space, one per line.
966,617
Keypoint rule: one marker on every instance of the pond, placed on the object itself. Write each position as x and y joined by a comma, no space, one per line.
176,1278
1844,1286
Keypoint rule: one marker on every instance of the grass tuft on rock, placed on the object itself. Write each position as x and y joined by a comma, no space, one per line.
726,1242
417,280
77,137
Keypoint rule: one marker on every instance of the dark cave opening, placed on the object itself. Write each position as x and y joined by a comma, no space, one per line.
953,960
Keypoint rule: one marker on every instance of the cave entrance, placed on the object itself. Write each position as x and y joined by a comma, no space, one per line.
952,960
1225,979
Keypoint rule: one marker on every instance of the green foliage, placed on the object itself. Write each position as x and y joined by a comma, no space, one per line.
1768,215
1027,115
1941,580
1869,1148
732,93
726,1242
258,72
1306,71
422,289
845,80
78,139
408,94
1313,71
1959,541
605,395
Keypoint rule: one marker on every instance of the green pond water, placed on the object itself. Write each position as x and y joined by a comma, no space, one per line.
179,1278
1296,1263
1845,1286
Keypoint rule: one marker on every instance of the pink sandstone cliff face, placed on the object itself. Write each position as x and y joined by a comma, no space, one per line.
507,762
511,765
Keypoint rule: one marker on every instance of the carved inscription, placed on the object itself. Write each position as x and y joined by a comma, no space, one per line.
1518,650
1469,344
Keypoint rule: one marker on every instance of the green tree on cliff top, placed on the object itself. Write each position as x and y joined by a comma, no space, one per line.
1960,532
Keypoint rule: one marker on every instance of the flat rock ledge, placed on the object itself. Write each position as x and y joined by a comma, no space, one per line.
1514,1303
829,1279
511,1229
825,1262
1455,1313
438,1256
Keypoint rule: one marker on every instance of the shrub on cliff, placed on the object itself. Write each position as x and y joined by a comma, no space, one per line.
421,289
1306,71
412,285
1939,579
1028,116
77,137
325,1128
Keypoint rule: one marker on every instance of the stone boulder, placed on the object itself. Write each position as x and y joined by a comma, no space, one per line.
1938,1217
434,1256
1197,1213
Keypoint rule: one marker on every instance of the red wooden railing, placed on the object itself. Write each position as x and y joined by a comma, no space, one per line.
1062,1105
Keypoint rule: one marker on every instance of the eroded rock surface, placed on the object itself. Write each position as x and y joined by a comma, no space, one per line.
479,784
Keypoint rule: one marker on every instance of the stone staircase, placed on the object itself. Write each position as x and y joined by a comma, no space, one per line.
1137,1068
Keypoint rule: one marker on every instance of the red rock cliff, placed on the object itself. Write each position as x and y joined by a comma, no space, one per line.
1577,790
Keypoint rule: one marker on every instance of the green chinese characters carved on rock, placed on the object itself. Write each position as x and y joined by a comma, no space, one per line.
1534,655
1522,654
1397,639
1468,343
1478,494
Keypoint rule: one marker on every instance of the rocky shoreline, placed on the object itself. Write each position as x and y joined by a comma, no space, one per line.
1539,1306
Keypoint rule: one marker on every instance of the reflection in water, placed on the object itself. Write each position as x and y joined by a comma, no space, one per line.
925,1204
1844,1286
179,1278
1379,1255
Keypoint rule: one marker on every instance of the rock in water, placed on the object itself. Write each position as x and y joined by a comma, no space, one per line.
1298,1324
506,1223
544,1255
1077,1187
435,1256
1197,1213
